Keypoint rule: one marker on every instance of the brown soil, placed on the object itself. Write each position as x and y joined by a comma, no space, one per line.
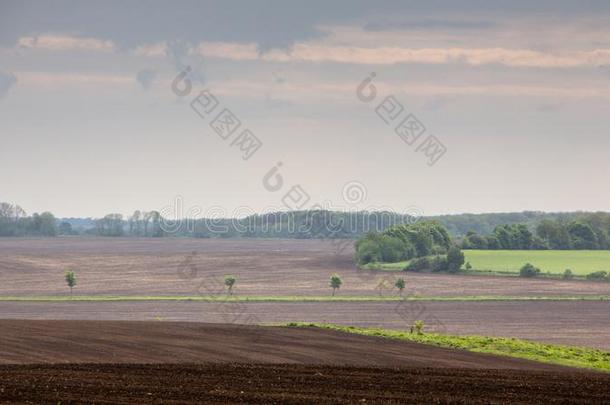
584,323
27,342
292,384
262,365
264,267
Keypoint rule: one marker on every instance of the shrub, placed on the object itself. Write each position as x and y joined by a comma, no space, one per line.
567,274
529,270
440,263
420,264
597,275
375,247
400,284
468,266
418,327
230,282
367,251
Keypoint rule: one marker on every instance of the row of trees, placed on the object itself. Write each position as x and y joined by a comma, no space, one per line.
230,280
403,242
589,231
15,222
141,223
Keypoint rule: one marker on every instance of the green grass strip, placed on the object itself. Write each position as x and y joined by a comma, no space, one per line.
572,356
294,298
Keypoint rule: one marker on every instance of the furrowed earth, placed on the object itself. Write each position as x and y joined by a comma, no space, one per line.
154,362
181,266
45,358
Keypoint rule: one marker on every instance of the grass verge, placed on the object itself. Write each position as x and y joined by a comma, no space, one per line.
572,356
294,298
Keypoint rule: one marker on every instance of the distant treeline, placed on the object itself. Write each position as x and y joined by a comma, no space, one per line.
294,224
484,224
584,231
15,222
525,230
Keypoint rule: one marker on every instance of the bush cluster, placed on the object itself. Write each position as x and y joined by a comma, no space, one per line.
529,270
598,276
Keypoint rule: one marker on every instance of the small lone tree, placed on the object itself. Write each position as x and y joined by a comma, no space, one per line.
70,280
230,282
418,327
335,282
383,284
400,284
567,274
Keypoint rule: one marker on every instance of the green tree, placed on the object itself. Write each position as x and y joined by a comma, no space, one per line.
567,274
376,247
230,282
48,224
529,270
419,264
455,259
582,236
70,280
554,233
65,228
400,284
335,282
473,240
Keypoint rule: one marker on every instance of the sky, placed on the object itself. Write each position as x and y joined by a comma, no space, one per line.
227,108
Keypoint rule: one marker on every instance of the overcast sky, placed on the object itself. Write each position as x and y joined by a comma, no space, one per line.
518,95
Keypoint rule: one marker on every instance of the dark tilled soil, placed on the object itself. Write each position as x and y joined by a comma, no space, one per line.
34,342
97,362
298,384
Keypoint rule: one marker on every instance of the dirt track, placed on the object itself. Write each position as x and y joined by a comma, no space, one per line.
263,267
292,384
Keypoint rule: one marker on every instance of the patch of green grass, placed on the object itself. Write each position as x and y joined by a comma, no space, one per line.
572,356
296,298
581,262
398,266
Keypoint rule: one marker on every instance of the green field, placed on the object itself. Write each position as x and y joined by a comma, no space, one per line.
548,353
581,262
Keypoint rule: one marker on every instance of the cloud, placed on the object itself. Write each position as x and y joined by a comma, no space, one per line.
152,50
7,80
429,24
437,102
270,24
229,50
146,78
273,103
65,43
61,80
438,95
321,53
182,55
